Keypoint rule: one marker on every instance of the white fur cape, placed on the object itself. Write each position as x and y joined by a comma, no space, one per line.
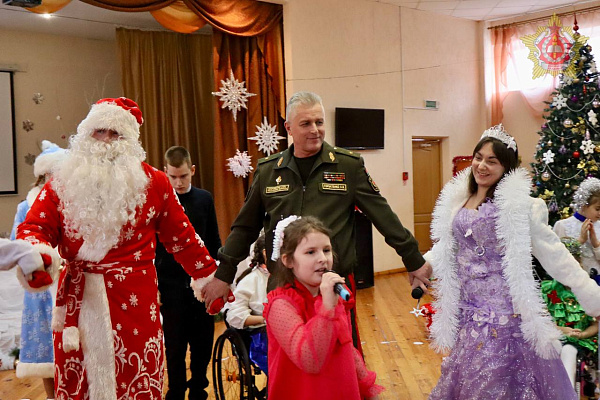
522,229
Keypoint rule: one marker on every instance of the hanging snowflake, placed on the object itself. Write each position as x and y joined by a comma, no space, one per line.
587,146
233,94
592,117
266,137
559,101
240,164
38,98
28,125
549,157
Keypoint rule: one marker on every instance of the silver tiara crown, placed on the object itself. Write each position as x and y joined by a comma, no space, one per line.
498,132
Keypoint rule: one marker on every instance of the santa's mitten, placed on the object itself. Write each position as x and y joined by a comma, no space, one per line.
41,280
218,304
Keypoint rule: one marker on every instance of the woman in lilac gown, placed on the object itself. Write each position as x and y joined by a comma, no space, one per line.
489,313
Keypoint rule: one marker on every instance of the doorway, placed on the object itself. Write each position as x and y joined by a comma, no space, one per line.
427,183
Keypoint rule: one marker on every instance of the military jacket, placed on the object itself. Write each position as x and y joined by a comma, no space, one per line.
338,182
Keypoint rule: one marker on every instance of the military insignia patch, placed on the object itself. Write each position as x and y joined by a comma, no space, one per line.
280,161
331,156
372,183
277,189
342,187
334,176
278,180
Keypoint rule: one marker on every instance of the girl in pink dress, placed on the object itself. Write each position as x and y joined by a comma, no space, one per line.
311,355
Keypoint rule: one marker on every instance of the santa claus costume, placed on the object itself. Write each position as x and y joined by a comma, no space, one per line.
104,208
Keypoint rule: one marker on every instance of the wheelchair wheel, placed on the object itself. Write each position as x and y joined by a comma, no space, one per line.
231,369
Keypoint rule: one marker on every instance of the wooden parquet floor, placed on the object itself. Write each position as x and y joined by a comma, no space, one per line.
394,342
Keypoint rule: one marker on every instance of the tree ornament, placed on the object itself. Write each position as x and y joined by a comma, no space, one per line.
574,98
549,142
596,103
546,176
266,137
548,157
568,123
559,101
575,154
233,94
240,164
576,80
592,118
587,146
567,185
562,149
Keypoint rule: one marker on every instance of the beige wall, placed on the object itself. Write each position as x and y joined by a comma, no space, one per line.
350,52
71,73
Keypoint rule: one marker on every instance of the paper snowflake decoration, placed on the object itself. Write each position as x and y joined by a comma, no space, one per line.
29,159
240,164
549,157
266,137
38,98
233,94
592,117
28,125
567,80
559,101
587,146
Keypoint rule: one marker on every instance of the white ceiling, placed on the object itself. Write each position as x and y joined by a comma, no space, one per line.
485,10
83,20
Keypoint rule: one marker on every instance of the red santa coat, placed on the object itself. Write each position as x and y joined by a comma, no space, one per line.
113,304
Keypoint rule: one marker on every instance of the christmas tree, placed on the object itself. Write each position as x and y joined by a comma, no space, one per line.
569,147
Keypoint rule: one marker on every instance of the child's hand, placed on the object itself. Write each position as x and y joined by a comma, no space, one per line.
330,298
593,237
585,229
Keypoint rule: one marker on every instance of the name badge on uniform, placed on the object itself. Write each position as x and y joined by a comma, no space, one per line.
334,176
277,189
341,187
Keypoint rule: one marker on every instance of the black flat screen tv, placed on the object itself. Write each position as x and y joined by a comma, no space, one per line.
359,128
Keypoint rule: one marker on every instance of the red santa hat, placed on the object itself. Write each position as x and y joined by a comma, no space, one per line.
121,115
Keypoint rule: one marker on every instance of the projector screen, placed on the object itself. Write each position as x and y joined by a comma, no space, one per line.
8,164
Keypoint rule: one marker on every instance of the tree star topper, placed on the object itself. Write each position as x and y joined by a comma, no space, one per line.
266,137
233,94
240,164
549,49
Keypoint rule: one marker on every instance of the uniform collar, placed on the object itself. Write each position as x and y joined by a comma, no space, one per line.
327,156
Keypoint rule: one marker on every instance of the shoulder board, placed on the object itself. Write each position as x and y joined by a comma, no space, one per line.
269,158
340,150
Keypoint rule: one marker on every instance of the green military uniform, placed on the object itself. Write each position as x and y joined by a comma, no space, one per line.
337,183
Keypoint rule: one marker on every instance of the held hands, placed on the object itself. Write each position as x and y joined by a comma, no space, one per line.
588,232
330,298
420,277
214,290
40,277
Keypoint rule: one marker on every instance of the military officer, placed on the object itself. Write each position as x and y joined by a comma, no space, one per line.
313,178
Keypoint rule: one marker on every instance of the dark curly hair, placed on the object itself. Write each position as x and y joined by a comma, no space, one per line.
258,257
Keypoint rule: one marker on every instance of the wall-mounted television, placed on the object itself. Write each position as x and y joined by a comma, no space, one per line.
359,128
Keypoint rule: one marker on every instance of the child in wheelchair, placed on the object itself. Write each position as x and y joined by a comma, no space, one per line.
580,331
246,311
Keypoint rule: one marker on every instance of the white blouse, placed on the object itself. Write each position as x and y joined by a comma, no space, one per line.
571,227
250,296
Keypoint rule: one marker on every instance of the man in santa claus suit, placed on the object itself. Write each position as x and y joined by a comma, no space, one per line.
103,209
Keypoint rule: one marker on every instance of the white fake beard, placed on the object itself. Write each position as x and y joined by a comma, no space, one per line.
100,186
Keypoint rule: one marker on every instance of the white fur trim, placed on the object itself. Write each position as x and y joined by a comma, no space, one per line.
513,231
198,284
70,338
35,370
58,318
97,340
45,162
32,195
110,116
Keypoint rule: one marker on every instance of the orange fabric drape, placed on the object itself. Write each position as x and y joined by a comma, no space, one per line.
501,39
244,57
179,18
170,76
130,5
49,6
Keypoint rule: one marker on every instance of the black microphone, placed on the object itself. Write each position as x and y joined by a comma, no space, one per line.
417,293
342,291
